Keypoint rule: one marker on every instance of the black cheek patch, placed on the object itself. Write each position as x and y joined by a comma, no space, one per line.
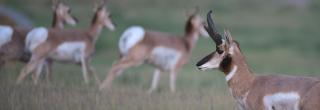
226,63
204,60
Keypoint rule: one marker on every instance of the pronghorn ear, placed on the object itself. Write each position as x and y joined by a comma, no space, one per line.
55,4
229,41
192,12
98,4
95,8
53,7
228,36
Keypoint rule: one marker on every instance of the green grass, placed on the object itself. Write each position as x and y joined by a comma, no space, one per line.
275,37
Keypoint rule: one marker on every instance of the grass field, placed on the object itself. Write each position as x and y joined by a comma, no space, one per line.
277,36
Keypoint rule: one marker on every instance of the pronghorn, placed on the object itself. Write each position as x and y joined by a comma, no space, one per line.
166,52
258,92
67,45
12,38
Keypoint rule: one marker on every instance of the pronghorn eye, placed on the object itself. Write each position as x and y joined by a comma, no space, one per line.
220,51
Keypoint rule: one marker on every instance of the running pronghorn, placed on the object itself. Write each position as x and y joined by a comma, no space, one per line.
255,92
12,45
166,52
67,45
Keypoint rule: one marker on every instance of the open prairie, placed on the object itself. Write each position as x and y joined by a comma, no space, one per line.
277,36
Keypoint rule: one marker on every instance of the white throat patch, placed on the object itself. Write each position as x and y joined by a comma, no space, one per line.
231,73
5,34
282,101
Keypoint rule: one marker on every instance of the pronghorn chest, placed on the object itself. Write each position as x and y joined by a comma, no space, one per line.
69,51
6,33
164,57
241,101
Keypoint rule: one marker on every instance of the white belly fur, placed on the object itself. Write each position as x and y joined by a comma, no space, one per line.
130,38
35,37
69,51
282,101
5,34
164,57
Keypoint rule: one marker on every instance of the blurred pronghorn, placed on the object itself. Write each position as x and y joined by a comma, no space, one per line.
67,45
166,52
258,92
12,39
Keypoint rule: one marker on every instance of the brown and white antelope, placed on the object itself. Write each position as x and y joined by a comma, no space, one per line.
67,45
12,45
258,92
166,52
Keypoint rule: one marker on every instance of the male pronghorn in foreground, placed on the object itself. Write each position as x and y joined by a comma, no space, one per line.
253,92
67,45
166,52
12,45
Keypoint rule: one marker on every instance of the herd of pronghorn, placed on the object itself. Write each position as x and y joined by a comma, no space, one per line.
39,47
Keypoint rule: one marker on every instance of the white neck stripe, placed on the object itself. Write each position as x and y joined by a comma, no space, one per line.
231,73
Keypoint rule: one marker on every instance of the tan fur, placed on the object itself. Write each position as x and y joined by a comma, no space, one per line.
258,86
15,49
141,52
57,37
244,85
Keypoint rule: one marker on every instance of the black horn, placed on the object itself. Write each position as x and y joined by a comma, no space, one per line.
211,29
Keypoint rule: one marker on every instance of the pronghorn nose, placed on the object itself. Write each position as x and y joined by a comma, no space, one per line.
199,68
198,64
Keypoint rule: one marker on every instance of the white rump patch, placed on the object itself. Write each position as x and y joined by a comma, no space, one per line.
165,57
129,38
282,101
231,73
5,34
35,37
69,51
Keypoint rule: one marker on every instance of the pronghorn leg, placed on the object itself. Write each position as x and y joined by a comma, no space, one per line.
91,71
38,71
84,69
2,62
48,70
38,56
155,80
118,68
34,62
173,76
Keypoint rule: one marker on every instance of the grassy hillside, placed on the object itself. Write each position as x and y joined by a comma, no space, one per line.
277,36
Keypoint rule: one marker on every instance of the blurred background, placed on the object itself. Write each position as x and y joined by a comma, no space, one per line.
276,36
